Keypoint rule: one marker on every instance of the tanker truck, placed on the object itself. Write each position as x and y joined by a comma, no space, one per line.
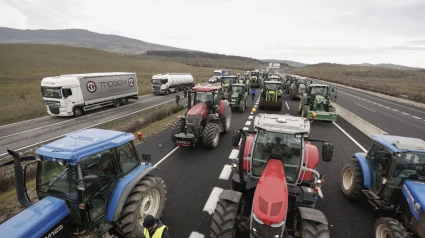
74,94
171,83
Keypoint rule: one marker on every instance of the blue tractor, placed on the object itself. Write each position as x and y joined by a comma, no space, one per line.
391,177
90,183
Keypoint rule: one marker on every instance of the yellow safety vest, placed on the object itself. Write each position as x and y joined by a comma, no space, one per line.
157,234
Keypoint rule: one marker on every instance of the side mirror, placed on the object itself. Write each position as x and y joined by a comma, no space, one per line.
380,154
92,184
327,151
146,158
236,137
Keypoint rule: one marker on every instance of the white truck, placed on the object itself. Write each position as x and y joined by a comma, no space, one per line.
171,83
219,73
73,94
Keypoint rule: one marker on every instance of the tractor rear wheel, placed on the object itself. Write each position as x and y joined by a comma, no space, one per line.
300,108
306,109
352,180
176,128
389,227
223,223
312,229
211,135
146,198
242,106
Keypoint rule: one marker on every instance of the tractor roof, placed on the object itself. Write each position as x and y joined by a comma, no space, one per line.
282,123
272,82
238,85
83,143
206,88
400,144
318,85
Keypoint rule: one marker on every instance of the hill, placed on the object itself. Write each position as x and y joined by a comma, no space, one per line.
387,66
22,66
80,38
288,62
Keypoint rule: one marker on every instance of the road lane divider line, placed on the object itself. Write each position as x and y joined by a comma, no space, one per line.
212,200
351,138
407,114
395,110
364,107
255,106
195,234
250,117
166,156
247,123
287,105
225,173
97,124
245,128
417,117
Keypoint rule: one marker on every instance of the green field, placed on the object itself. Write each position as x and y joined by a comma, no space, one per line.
22,66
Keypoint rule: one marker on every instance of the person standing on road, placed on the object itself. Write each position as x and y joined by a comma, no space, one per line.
153,228
177,99
253,91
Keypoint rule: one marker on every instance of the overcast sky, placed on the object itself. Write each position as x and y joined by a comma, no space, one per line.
309,31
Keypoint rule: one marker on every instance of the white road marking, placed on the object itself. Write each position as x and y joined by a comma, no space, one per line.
351,138
250,117
40,142
417,117
245,128
395,110
252,113
212,200
388,107
166,156
247,123
225,173
255,106
195,234
405,113
364,107
287,105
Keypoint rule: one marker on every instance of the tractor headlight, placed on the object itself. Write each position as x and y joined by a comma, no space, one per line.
233,100
261,230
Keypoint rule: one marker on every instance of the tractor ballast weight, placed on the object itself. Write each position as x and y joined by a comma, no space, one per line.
84,182
391,177
317,100
207,119
238,97
245,209
270,97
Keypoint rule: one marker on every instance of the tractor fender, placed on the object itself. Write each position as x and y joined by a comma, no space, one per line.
313,215
247,151
312,159
222,107
367,179
123,189
212,117
230,195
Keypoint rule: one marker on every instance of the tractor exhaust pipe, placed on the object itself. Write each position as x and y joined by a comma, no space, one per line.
241,153
21,190
189,99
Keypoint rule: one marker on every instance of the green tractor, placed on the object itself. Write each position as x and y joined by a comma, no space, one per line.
238,96
317,100
254,82
226,83
289,81
271,95
276,78
298,88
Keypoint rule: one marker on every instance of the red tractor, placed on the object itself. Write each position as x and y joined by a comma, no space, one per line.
209,116
275,185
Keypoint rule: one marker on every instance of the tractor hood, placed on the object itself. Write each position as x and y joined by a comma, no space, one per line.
42,219
198,109
270,203
320,99
415,195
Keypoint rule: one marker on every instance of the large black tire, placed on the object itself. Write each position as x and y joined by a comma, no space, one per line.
306,109
124,101
352,180
242,106
224,219
77,111
176,128
116,103
312,229
211,135
128,224
300,108
389,227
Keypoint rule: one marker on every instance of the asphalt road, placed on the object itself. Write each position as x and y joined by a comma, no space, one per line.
195,177
26,134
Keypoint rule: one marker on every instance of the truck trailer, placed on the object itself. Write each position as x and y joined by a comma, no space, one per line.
171,83
73,94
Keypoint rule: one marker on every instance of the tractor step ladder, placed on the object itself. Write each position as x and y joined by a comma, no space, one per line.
370,194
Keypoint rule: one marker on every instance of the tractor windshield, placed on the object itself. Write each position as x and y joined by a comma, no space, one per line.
206,97
236,89
228,80
287,145
409,165
319,91
57,180
272,86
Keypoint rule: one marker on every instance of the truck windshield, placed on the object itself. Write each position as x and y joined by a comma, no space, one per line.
57,180
409,165
51,92
287,145
159,81
217,73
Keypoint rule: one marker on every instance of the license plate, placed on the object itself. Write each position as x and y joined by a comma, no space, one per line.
182,143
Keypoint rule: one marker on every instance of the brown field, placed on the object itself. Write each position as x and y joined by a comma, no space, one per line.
408,84
22,66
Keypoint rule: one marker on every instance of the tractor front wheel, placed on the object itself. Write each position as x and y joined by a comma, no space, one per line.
223,223
388,227
312,229
176,128
146,198
242,106
306,109
352,180
211,135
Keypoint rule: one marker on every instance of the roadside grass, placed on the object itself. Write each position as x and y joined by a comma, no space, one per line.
22,66
408,84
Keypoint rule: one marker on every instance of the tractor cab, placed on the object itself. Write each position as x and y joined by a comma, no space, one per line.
226,83
272,89
209,95
317,99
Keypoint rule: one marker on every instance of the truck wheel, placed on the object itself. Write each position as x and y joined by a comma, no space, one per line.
228,120
352,180
176,128
211,135
77,111
224,219
124,101
116,103
312,229
146,198
388,227
242,106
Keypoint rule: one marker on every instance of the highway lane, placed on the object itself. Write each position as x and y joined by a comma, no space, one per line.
12,137
193,183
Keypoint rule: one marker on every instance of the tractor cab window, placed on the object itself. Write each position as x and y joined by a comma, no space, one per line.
379,165
127,158
228,81
409,165
319,91
286,145
272,86
205,97
236,89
